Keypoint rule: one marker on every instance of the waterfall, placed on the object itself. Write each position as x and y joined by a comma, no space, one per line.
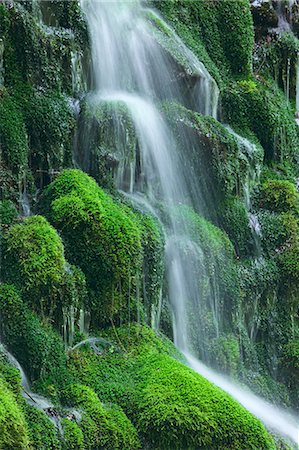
133,67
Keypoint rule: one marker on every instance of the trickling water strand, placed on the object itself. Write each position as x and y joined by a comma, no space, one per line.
252,156
132,68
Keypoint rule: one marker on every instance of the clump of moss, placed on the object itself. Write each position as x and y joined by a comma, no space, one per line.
152,240
50,125
72,435
225,354
262,108
34,260
279,196
13,428
37,347
211,24
8,213
42,432
172,406
103,426
277,229
102,237
234,220
32,55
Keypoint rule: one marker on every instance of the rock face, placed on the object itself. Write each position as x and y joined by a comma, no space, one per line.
166,205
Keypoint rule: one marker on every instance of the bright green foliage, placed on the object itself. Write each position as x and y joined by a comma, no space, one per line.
279,196
36,346
102,237
225,32
264,110
13,429
72,435
10,374
234,220
172,407
34,261
13,138
42,432
104,427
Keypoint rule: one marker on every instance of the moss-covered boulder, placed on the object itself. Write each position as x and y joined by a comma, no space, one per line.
102,237
104,427
42,431
172,406
261,107
34,260
37,347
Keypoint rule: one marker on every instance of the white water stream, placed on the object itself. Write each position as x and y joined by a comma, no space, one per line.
134,69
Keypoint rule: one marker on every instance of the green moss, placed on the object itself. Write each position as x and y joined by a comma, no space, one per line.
8,213
13,429
152,240
13,138
235,222
34,261
214,152
279,196
265,111
225,354
50,125
72,435
277,229
225,31
172,406
103,238
36,346
33,55
104,427
42,432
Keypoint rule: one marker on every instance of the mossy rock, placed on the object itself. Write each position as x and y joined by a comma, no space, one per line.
33,55
13,428
13,137
211,25
235,221
104,427
279,196
42,432
34,260
102,237
36,346
72,435
172,406
260,107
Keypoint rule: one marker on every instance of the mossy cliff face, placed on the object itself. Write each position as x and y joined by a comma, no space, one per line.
87,259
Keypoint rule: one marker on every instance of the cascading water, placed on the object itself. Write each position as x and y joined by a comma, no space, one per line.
133,68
